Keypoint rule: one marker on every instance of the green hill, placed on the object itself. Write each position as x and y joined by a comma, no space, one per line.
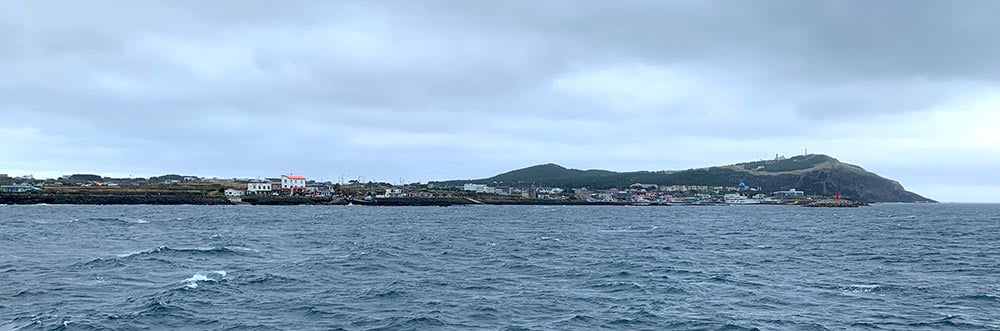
814,174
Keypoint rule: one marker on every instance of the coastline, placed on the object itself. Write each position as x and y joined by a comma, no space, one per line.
206,200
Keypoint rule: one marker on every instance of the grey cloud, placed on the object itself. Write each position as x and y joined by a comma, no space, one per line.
186,79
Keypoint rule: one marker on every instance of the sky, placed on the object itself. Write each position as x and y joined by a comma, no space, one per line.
434,90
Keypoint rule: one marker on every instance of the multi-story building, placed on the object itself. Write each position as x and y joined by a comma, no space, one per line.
475,188
259,188
292,182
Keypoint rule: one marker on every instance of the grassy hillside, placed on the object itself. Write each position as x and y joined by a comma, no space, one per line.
814,174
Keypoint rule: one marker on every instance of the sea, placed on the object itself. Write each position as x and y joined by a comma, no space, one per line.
881,267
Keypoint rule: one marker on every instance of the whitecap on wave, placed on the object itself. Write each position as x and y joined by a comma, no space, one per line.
212,276
194,250
861,288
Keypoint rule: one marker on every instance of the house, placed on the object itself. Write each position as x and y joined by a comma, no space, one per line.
231,192
292,182
392,193
474,188
258,188
19,188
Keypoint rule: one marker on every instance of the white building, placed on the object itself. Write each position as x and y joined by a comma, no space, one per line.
231,192
392,193
475,188
258,188
792,193
292,182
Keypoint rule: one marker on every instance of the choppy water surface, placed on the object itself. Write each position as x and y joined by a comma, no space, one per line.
499,267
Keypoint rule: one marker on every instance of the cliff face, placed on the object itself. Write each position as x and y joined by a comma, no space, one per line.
866,187
814,174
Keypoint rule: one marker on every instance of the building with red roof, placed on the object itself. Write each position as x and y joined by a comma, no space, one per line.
293,182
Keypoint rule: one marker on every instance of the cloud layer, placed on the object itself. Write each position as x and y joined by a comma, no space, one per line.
458,89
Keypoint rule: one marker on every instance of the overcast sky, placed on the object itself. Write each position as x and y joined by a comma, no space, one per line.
433,90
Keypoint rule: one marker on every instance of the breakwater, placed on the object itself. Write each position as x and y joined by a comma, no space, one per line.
836,203
110,199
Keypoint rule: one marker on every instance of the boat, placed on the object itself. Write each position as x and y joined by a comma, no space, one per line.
736,199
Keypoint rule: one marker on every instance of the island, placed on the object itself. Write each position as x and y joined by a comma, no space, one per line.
807,180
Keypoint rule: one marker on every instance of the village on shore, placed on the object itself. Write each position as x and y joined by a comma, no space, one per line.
297,189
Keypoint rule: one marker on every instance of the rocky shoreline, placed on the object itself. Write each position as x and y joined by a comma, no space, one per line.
109,199
831,203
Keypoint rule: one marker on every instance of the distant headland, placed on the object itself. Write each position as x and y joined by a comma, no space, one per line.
799,180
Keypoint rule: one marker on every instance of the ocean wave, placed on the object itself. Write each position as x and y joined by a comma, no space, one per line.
271,279
578,320
613,287
159,308
212,276
28,292
631,229
16,324
312,311
158,253
632,322
125,220
53,221
980,297
196,250
948,322
374,254
382,293
860,288
480,287
411,323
